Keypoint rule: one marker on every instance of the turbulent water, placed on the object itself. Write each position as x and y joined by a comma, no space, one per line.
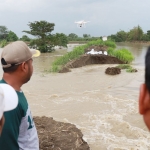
104,107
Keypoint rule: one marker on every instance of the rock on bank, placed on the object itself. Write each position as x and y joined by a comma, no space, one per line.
54,135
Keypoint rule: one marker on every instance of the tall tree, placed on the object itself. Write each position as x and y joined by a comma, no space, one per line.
3,32
135,34
25,38
72,36
121,36
11,36
145,37
148,34
60,39
42,30
115,38
86,35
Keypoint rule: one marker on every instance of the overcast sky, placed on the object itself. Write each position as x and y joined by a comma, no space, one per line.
106,16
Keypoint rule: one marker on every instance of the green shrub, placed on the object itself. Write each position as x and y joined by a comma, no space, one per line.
76,53
3,43
111,51
54,68
110,44
127,67
131,70
124,55
124,66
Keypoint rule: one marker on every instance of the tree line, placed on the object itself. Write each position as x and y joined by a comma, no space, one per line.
45,41
135,34
86,37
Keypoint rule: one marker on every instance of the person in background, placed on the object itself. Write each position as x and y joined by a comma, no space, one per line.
144,96
8,101
19,131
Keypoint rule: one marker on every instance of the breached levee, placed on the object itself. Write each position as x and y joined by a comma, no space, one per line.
94,52
87,59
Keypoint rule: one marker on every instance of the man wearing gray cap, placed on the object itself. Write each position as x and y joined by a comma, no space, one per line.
19,131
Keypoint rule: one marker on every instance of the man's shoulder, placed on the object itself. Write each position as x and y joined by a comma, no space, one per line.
2,81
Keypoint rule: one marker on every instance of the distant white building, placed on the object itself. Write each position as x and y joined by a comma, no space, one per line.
104,38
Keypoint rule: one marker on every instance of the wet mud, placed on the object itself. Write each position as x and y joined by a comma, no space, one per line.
113,71
54,135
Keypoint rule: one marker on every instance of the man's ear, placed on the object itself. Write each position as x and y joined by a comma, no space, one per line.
23,66
144,100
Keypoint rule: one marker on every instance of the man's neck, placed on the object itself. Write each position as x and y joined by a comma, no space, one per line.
13,81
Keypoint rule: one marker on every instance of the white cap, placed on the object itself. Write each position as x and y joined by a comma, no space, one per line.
8,98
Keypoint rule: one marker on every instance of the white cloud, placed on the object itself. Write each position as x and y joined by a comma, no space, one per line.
20,5
106,16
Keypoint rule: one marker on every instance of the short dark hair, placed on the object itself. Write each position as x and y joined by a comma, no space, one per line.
11,69
147,69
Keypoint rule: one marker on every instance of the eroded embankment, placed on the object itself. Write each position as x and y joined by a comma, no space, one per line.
87,59
54,135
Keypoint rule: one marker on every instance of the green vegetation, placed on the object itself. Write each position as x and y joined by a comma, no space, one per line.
11,36
6,35
131,70
60,39
76,53
3,43
80,50
42,31
122,54
55,68
135,34
124,66
72,37
127,67
45,41
25,38
103,43
3,33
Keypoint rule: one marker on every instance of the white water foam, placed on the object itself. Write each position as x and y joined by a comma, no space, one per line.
108,127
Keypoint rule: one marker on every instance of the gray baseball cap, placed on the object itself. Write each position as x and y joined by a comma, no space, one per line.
16,53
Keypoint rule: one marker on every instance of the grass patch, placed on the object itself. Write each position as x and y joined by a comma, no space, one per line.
127,67
124,66
122,54
3,43
76,53
131,70
54,68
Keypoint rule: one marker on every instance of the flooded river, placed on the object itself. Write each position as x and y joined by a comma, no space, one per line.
104,107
